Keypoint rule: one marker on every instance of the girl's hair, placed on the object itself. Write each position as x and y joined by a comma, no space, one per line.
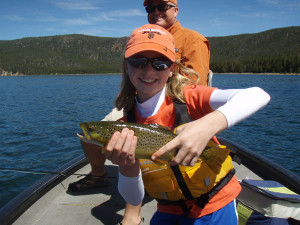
174,88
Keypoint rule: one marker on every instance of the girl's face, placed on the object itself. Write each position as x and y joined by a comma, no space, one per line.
148,81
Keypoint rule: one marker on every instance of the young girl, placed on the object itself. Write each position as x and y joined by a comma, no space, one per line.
149,86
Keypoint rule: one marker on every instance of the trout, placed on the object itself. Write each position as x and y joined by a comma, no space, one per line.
150,138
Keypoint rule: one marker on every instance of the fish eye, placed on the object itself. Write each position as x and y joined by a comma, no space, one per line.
91,128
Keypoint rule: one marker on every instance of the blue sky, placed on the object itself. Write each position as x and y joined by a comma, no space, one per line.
118,18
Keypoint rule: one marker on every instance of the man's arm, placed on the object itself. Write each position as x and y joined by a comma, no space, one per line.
197,55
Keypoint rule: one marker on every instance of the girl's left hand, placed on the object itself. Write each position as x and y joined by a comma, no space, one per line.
192,138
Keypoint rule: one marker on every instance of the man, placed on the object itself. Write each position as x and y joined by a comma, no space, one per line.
192,49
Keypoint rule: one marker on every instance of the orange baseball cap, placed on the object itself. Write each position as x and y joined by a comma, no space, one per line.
146,2
151,37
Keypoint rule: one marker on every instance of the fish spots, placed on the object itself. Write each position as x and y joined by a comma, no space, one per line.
150,137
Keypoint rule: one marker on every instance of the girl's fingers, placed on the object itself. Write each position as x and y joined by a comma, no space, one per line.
121,147
194,161
131,152
187,154
166,148
121,140
111,144
180,158
127,152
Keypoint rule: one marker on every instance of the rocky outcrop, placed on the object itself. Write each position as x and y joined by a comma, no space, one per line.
6,73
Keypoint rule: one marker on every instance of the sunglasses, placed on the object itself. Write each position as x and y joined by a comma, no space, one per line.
161,7
159,64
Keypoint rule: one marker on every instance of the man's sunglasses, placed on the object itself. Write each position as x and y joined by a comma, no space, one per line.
161,7
159,64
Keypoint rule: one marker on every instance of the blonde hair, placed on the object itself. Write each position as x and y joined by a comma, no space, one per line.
174,87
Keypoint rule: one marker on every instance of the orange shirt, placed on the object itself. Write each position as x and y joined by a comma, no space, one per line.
197,100
192,50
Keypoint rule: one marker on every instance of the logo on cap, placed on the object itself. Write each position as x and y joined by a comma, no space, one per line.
151,32
151,35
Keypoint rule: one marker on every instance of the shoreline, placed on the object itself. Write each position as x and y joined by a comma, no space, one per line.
71,74
289,74
100,74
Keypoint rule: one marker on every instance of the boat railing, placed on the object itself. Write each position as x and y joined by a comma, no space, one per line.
262,166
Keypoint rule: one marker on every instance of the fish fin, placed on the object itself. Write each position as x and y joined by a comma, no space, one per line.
215,157
161,163
175,129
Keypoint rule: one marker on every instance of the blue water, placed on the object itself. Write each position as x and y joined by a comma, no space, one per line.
40,116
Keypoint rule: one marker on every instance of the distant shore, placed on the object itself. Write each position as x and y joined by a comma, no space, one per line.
261,73
20,74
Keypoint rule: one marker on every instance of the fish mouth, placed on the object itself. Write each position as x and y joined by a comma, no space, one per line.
81,137
85,139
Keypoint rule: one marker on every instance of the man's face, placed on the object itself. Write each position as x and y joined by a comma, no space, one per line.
164,18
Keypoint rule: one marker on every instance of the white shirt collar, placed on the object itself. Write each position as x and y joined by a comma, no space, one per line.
152,105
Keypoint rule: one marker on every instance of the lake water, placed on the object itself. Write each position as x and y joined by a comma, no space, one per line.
40,116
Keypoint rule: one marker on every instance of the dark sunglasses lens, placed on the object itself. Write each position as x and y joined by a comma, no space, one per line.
161,65
161,7
150,8
138,63
157,63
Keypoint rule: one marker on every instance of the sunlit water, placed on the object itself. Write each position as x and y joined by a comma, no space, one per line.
40,116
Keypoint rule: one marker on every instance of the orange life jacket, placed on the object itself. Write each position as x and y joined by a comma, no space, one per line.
173,184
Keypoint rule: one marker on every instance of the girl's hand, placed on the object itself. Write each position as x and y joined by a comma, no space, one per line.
120,149
192,138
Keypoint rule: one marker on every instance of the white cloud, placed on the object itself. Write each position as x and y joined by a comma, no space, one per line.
76,5
216,22
270,2
261,15
47,19
77,22
16,18
118,14
282,4
103,17
128,12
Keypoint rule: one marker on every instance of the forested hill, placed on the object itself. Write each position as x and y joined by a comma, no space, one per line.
63,54
276,51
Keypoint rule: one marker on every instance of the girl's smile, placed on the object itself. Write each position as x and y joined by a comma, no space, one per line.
148,80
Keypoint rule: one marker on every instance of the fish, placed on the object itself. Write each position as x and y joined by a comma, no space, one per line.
150,138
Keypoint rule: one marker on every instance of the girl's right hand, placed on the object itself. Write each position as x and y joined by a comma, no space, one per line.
120,150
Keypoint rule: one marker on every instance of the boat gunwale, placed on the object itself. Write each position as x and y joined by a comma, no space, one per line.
11,211
262,166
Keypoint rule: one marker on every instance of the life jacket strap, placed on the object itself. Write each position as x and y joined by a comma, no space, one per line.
182,115
182,185
204,198
130,116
